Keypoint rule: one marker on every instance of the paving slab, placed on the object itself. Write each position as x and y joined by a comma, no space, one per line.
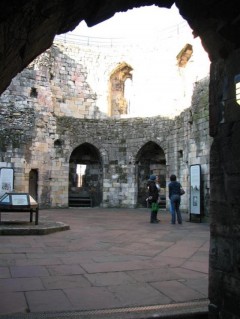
177,291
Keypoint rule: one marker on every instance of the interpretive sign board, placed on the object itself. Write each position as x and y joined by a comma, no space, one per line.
20,200
195,190
6,180
19,203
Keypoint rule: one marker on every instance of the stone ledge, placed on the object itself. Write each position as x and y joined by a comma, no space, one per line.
26,228
197,309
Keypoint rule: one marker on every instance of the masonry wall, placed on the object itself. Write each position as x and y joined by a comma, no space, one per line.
158,85
224,255
52,100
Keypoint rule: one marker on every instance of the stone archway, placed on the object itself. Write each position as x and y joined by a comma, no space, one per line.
150,160
85,176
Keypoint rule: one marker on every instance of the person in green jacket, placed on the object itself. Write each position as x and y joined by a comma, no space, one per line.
153,194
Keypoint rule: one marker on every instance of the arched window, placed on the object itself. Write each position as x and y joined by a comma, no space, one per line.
184,55
118,102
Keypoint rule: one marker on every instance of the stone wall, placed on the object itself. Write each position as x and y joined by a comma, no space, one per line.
224,258
158,85
53,109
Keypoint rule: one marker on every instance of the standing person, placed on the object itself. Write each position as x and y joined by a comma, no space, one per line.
153,194
175,199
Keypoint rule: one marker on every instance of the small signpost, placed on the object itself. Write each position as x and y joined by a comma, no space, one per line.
195,190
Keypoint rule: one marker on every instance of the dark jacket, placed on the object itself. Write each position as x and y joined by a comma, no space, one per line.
174,188
152,191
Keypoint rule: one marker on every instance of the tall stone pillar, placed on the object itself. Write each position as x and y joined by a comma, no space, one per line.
224,258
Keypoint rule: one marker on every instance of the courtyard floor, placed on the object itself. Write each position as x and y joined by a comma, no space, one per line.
110,261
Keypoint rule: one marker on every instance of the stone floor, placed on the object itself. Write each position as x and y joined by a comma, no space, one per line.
101,260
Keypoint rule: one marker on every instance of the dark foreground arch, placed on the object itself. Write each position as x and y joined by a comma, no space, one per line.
28,27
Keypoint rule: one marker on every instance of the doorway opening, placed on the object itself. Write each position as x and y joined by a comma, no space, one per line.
33,183
85,176
151,160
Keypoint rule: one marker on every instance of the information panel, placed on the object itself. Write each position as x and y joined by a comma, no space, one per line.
20,200
195,187
6,180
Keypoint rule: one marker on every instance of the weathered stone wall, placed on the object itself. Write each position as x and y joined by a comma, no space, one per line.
224,278
158,85
53,101
37,103
187,134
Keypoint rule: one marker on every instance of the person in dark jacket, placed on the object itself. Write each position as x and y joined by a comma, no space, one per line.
153,194
175,199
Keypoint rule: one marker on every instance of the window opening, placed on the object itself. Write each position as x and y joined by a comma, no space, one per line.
120,90
33,92
237,88
184,55
180,154
81,169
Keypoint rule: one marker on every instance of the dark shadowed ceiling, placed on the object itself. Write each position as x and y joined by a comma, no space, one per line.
28,27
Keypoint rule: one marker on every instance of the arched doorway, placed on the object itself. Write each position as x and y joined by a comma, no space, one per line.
33,183
150,160
85,176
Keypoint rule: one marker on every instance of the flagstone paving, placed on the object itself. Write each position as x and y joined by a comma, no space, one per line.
108,258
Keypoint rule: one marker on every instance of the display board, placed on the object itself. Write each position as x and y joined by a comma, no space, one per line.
6,180
195,189
20,200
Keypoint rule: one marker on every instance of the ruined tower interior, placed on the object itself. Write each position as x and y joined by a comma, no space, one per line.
29,28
